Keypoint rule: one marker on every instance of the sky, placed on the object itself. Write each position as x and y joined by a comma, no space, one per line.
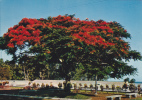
126,12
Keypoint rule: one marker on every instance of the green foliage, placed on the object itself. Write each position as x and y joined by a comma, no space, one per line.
132,81
126,80
102,87
60,85
5,71
132,87
99,47
78,96
113,87
125,86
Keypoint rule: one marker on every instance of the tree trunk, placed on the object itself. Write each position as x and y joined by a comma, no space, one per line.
27,75
24,73
67,84
96,85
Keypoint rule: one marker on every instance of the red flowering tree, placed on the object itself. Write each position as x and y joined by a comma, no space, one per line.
68,40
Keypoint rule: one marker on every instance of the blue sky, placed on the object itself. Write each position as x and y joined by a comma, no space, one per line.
127,12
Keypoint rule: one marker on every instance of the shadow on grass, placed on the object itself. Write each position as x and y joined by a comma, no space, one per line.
41,93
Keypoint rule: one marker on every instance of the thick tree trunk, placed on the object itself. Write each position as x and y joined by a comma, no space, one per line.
67,84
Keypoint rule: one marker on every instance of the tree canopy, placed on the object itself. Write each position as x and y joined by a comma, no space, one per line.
99,45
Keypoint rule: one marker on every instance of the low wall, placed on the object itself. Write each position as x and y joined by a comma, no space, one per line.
22,83
18,83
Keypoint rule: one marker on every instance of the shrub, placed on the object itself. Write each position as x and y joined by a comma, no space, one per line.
42,85
34,85
80,86
125,86
113,87
51,85
107,87
38,84
91,86
60,85
27,88
132,87
1,84
102,87
75,85
47,86
85,86
4,83
139,89
118,88
7,82
29,83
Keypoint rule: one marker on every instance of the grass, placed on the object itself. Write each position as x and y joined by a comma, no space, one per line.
82,94
137,99
78,96
16,87
45,93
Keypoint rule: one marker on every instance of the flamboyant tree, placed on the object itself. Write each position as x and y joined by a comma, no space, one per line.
98,45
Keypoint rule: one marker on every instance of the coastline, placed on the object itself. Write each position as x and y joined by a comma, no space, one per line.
55,83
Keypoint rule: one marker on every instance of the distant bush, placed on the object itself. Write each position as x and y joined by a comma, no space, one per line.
60,85
125,86
38,84
139,89
51,85
107,87
118,88
91,86
47,85
75,85
85,86
132,87
113,87
80,86
1,83
42,85
4,83
34,85
102,87
29,83
27,88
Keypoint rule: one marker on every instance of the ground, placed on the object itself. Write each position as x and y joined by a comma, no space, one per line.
100,96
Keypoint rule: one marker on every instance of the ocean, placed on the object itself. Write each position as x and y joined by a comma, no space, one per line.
138,83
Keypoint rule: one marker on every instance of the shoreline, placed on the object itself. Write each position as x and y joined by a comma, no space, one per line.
55,83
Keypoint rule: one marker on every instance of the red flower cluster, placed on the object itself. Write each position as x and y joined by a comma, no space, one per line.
26,31
89,32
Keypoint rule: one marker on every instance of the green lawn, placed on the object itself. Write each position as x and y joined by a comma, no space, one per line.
44,93
137,99
50,93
